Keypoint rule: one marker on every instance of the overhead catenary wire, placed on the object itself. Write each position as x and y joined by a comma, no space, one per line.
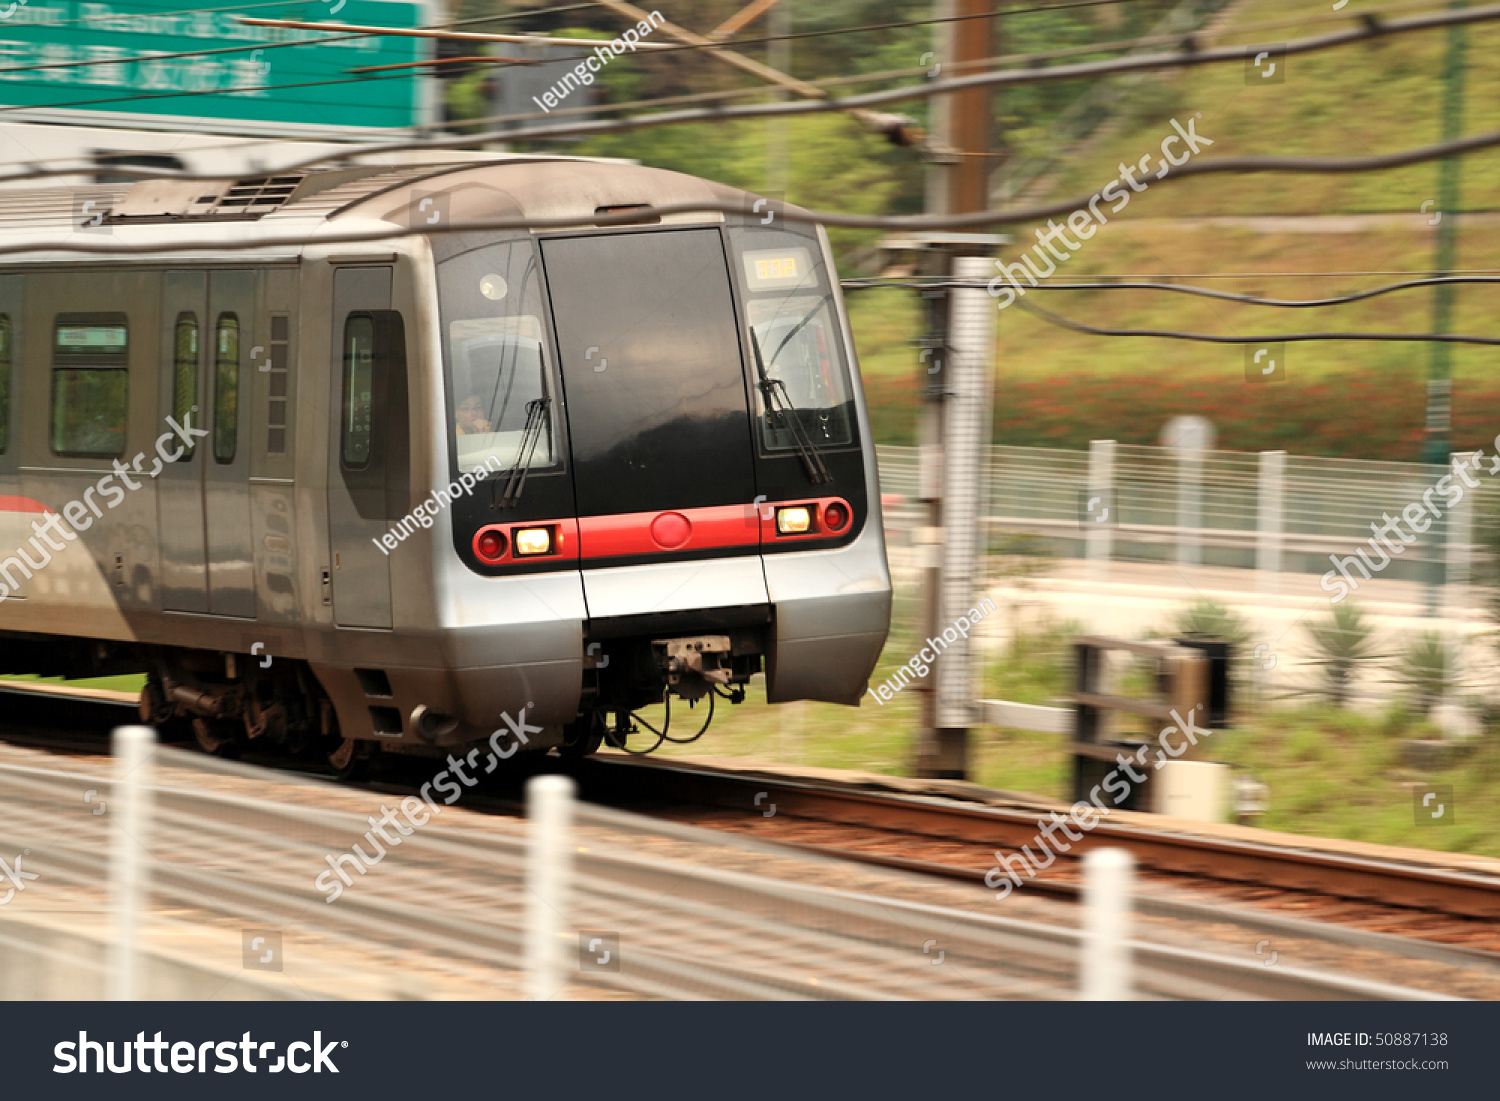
343,32
717,43
437,30
1031,57
1188,57
1261,338
909,223
1371,28
1179,288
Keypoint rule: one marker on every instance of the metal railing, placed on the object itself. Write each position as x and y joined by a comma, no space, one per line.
232,882
1220,508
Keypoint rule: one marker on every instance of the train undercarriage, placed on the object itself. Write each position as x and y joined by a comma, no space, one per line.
228,703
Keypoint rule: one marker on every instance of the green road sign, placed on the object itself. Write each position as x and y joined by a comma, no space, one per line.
112,63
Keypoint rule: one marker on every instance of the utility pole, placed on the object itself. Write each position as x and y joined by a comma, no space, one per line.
1440,362
1440,368
779,57
954,423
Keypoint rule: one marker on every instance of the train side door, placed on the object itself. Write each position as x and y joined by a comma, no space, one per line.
184,341
368,460
15,520
226,462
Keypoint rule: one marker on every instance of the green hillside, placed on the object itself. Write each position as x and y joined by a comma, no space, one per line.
1359,399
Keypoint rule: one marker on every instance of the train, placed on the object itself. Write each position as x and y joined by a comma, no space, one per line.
391,495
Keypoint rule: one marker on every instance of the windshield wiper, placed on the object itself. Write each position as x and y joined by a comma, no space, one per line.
779,404
536,419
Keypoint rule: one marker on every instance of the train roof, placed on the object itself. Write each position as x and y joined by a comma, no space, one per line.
285,213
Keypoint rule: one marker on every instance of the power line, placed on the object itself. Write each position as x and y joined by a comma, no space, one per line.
1179,288
896,74
263,45
439,30
789,214
1277,338
1371,28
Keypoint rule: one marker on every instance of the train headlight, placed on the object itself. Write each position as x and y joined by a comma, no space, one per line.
532,541
793,521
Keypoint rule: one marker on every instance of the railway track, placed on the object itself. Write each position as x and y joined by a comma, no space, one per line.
947,838
944,837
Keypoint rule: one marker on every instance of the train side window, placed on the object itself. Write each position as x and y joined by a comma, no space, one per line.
359,372
374,448
90,383
5,344
226,386
185,374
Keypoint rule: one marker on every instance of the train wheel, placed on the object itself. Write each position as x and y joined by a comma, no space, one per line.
214,737
348,761
155,711
582,737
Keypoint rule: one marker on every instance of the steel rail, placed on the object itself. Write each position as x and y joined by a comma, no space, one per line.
1391,884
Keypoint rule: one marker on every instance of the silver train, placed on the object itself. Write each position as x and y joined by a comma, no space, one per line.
354,498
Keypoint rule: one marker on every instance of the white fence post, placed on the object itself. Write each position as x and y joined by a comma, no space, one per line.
1458,554
1101,484
1190,503
1270,512
129,864
549,868
1108,876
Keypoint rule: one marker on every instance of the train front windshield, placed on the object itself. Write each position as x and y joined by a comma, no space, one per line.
790,306
494,340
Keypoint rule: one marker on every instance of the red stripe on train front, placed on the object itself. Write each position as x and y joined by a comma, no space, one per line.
683,529
21,504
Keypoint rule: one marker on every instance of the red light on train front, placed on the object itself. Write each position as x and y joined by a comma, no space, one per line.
835,517
533,541
489,545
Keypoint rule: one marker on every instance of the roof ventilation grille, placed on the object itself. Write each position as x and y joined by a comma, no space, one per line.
252,198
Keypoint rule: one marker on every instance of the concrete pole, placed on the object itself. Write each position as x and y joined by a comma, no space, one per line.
130,855
958,396
1108,883
549,869
971,353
